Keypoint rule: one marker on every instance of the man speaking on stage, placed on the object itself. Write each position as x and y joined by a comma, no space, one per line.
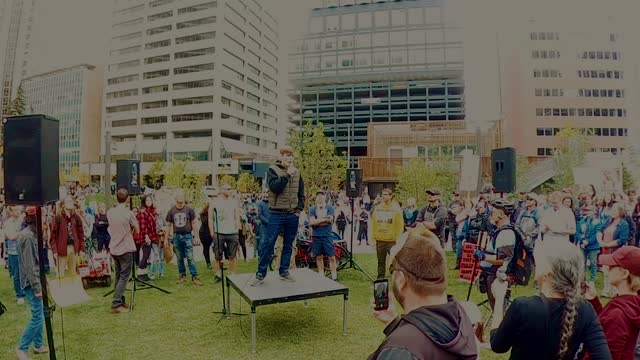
286,201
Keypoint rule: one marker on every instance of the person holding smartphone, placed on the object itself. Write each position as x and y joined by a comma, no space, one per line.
435,326
321,218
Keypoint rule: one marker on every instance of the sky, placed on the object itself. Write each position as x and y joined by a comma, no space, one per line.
71,32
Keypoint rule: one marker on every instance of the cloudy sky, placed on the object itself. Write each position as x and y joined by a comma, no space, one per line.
70,32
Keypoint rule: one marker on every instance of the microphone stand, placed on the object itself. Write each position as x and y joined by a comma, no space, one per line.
226,312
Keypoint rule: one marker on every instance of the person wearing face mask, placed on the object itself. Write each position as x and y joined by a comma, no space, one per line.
286,202
434,215
435,325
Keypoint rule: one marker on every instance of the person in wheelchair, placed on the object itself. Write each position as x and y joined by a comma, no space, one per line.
499,250
321,218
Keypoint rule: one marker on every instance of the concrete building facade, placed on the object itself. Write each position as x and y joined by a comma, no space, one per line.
193,79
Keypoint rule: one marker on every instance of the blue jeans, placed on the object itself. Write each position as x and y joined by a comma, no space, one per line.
33,331
459,244
287,224
592,257
14,268
183,244
262,234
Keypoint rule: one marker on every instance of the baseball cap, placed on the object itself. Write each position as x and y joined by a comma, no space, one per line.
533,196
433,191
627,257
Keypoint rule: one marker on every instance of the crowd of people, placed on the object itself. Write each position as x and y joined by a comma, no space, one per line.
568,235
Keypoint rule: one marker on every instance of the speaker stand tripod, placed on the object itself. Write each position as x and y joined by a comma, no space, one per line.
351,262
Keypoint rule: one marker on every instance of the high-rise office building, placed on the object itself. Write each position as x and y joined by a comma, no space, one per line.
17,18
193,79
73,96
378,61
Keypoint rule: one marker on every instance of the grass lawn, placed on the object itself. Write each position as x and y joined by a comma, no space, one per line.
183,326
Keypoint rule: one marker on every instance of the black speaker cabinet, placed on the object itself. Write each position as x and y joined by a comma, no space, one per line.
31,164
503,169
354,182
128,176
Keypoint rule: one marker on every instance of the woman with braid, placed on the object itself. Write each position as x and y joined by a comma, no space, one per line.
557,323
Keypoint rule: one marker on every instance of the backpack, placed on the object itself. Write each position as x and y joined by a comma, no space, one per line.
521,264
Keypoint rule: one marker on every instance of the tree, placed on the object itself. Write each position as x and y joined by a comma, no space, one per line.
628,183
226,179
315,156
418,176
571,152
19,103
181,176
522,166
247,183
155,173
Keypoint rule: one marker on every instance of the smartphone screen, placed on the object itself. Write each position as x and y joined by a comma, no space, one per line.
381,294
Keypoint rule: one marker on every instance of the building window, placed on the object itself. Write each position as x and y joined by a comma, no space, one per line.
192,69
364,20
121,94
123,79
155,104
253,140
122,108
125,51
253,126
193,53
192,117
162,15
156,136
121,123
193,100
160,3
124,65
381,18
197,37
252,97
159,30
253,111
192,23
157,59
154,120
128,37
200,7
158,44
193,84
155,89
155,74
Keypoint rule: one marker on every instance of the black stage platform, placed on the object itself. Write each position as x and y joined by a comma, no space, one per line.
308,285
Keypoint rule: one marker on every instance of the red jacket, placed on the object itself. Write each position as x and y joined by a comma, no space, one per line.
147,221
620,320
59,235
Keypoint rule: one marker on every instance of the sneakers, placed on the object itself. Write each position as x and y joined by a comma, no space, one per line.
217,279
119,310
20,301
209,267
144,277
152,276
41,350
22,355
183,279
257,281
287,277
196,281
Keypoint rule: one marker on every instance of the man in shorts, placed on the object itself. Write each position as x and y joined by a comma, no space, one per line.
321,218
224,223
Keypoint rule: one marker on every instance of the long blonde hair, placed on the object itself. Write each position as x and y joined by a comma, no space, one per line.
563,265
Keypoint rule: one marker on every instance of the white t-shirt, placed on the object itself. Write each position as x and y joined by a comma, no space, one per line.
227,211
561,220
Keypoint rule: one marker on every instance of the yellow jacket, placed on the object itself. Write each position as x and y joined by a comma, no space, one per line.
387,222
